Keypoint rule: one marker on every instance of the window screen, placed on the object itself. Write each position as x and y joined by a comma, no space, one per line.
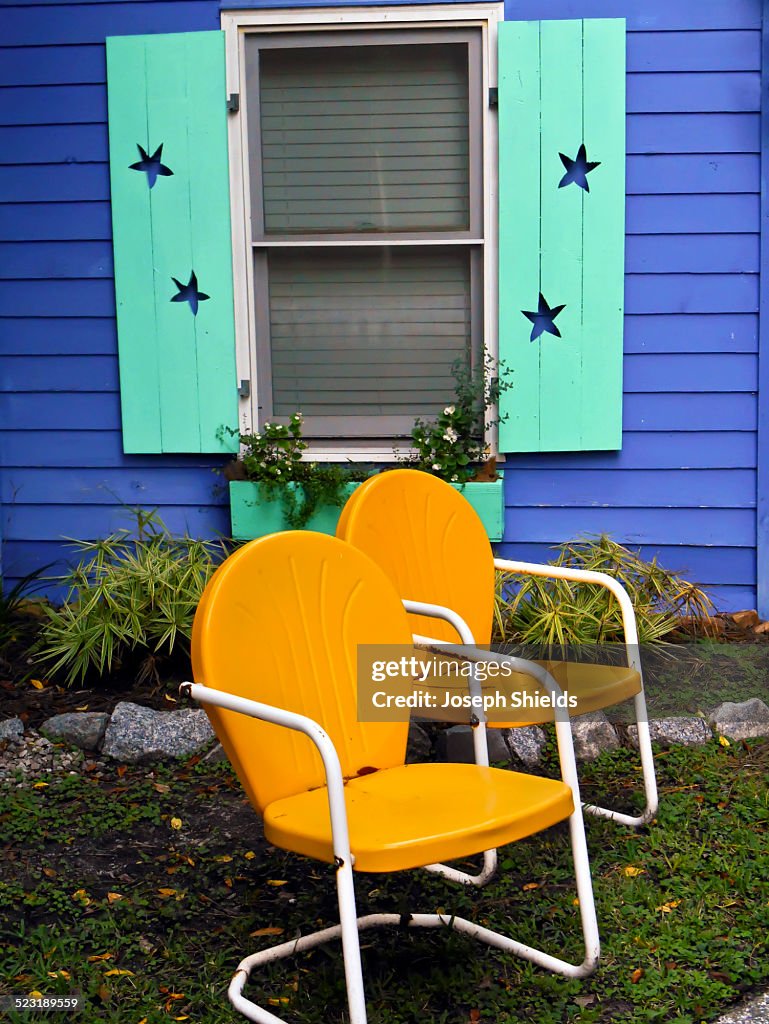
367,333
364,139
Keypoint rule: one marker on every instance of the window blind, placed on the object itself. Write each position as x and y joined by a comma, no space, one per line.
367,332
369,138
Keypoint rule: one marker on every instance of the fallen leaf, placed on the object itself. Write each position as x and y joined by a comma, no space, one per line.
632,872
475,1016
667,907
81,895
38,684
121,770
265,931
49,873
724,741
34,994
228,882
118,972
636,975
249,855
167,892
161,787
527,888
100,956
40,785
114,897
277,881
224,859
83,707
584,1000
169,698
176,823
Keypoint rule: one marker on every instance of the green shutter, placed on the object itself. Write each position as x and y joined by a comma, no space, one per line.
562,85
177,369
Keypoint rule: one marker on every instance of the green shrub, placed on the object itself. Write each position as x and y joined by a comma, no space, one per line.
132,597
272,458
557,612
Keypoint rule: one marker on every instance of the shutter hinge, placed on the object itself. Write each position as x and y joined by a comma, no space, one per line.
494,97
244,391
233,103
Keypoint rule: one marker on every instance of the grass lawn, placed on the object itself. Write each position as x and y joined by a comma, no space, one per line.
143,888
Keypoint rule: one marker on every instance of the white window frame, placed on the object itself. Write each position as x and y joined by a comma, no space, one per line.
236,24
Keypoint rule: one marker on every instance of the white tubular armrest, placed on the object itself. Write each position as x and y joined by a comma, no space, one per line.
299,723
522,665
600,579
439,611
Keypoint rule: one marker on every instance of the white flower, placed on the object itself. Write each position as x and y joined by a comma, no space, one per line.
267,426
450,435
454,478
449,410
436,465
277,472
297,416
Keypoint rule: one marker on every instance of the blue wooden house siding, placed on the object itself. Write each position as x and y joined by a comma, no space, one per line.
685,483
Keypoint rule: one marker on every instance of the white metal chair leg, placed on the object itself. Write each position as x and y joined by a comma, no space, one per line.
649,776
349,927
351,949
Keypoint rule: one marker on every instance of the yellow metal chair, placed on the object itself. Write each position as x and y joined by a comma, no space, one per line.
432,545
274,651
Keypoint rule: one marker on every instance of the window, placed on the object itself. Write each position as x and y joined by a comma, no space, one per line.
364,217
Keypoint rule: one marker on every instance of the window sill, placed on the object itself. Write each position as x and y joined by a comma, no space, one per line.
252,516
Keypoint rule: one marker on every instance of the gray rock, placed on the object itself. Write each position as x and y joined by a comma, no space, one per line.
687,731
456,745
11,730
527,743
137,735
593,734
754,1011
420,746
84,729
747,720
499,748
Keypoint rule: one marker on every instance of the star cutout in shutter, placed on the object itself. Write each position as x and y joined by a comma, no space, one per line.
578,170
189,293
151,165
543,318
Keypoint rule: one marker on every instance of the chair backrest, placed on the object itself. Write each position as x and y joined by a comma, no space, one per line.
280,622
431,543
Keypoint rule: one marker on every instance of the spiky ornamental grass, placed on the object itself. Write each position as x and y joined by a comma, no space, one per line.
134,593
538,611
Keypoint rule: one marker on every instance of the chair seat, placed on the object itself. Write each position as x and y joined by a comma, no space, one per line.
419,814
594,686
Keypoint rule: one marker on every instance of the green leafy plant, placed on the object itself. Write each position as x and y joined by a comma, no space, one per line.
13,602
133,595
452,446
536,610
273,458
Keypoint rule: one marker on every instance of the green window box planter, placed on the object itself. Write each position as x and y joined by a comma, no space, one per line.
253,516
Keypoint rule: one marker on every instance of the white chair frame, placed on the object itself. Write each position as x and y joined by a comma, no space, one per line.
630,630
350,924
